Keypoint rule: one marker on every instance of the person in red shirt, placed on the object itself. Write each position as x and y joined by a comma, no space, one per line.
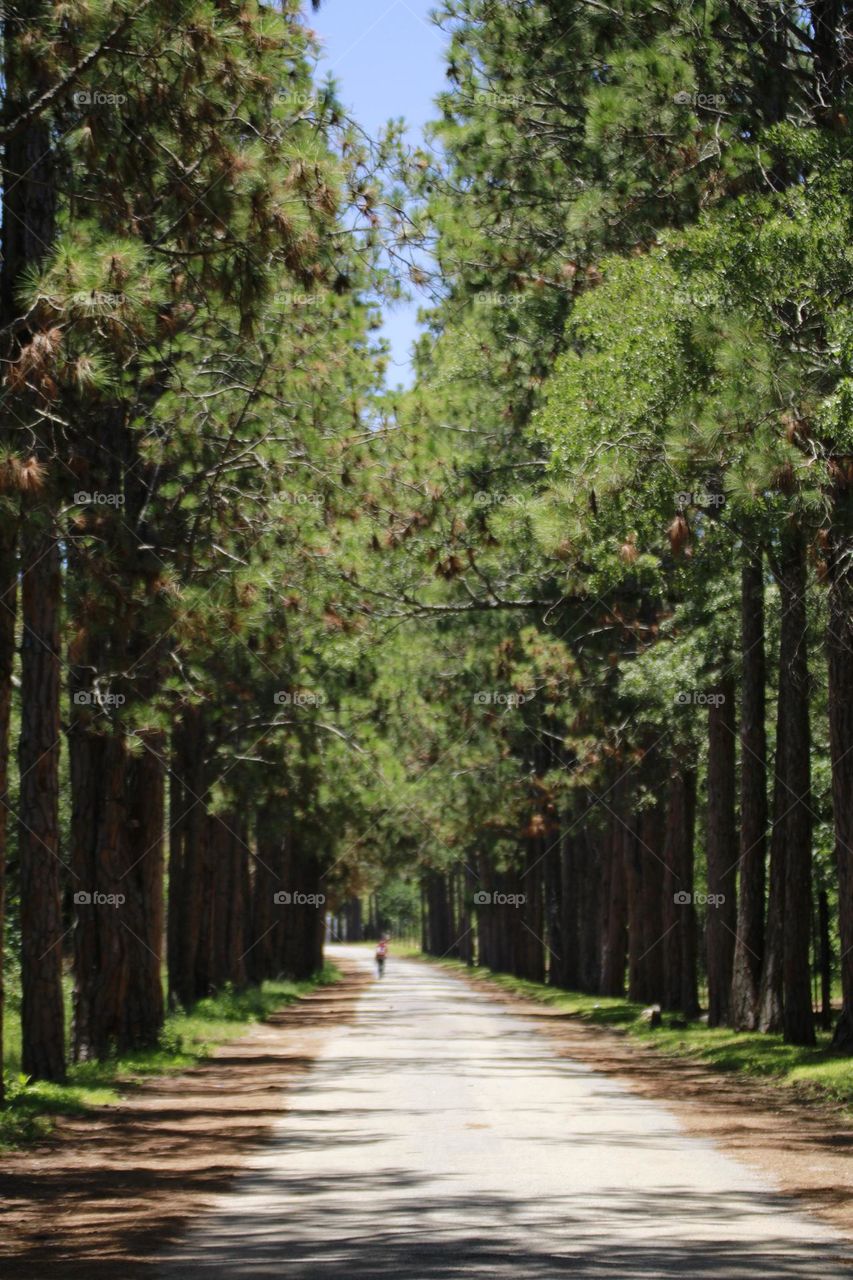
381,953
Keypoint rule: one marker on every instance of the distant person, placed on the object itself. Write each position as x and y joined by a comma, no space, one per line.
381,953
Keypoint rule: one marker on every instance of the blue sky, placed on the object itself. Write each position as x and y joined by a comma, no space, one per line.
388,61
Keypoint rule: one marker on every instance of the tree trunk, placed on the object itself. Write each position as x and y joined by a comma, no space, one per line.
839,645
615,902
42,1013
8,601
269,867
633,882
722,852
651,850
798,1017
749,945
192,900
679,918
29,227
771,991
303,921
144,853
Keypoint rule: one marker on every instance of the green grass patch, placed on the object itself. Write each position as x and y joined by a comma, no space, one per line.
187,1037
817,1073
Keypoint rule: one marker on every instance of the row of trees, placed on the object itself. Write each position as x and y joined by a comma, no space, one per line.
633,735
186,356
563,633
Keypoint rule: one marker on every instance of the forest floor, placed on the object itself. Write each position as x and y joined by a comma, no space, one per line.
110,1188
112,1193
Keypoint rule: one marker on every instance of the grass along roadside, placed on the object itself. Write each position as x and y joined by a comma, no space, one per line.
187,1038
816,1073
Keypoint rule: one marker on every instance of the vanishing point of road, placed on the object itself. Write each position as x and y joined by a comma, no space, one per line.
440,1135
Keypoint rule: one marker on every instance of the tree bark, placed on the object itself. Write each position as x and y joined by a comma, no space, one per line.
144,866
269,868
839,646
798,1017
29,228
8,602
749,945
190,980
722,852
679,920
770,999
615,939
42,1013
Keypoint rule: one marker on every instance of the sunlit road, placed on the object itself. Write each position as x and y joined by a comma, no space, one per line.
440,1135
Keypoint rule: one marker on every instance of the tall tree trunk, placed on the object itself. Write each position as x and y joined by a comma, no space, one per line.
144,918
825,945
42,1013
303,921
770,998
191,903
530,913
615,901
839,646
177,828
798,1018
722,852
749,945
651,850
269,840
8,600
679,920
29,227
634,888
